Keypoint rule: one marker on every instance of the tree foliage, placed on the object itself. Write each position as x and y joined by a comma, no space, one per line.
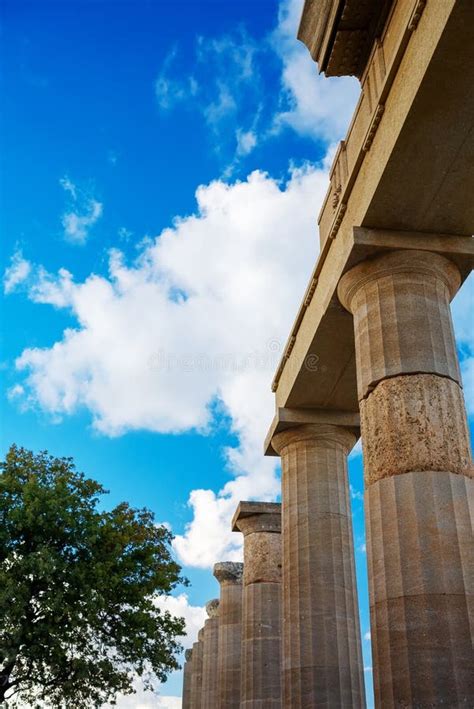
78,588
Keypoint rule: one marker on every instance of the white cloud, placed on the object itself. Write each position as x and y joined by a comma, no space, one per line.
81,215
170,91
169,703
228,87
367,635
194,616
246,141
357,450
146,700
462,309
199,320
180,607
312,104
356,494
17,273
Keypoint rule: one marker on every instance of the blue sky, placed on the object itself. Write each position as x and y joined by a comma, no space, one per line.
163,166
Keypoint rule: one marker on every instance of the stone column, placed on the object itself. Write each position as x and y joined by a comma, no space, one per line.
196,680
229,575
417,478
210,656
321,649
187,679
260,523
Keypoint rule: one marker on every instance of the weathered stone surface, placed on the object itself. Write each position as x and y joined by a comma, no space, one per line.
212,608
340,37
402,320
229,574
420,556
417,462
262,555
187,679
321,647
415,422
260,523
261,639
209,698
196,679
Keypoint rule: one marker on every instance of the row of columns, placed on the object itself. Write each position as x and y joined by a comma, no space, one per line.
305,651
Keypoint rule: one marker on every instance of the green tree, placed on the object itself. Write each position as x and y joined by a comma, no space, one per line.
78,588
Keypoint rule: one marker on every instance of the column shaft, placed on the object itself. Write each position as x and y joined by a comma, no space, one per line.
229,575
187,680
322,659
417,475
210,657
196,680
260,522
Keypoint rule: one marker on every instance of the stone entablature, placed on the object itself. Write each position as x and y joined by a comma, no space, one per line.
339,33
375,171
376,82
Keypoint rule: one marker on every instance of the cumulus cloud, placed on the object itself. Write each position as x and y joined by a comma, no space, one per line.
17,273
198,319
81,214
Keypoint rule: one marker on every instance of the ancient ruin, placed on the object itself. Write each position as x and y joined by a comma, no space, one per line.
371,354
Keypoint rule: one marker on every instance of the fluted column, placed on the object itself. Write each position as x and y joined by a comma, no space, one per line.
210,656
196,679
418,479
229,575
321,649
187,679
260,523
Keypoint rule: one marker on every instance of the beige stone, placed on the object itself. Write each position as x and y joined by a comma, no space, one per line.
229,575
378,184
187,679
196,679
210,656
321,646
402,321
415,422
420,556
417,463
260,523
341,41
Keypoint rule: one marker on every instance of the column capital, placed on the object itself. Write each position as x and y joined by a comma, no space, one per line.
188,654
212,608
420,265
252,517
289,418
228,572
322,433
401,316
